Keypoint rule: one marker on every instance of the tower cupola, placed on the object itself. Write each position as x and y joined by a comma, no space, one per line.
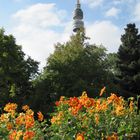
78,17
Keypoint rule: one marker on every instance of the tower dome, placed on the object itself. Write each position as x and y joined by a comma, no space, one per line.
78,16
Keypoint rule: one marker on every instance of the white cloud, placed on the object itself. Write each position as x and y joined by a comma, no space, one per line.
137,12
38,28
93,3
42,15
116,2
34,30
112,12
105,33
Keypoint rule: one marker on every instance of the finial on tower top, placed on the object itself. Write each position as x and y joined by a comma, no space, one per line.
78,5
78,1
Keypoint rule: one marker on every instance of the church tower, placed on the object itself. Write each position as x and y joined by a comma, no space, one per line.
78,18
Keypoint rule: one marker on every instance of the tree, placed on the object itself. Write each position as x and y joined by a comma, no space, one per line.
75,66
16,72
129,61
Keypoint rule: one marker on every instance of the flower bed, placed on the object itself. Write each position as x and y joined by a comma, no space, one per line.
84,118
17,126
75,118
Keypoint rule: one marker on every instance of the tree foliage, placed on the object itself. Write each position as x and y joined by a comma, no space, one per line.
75,66
16,72
129,61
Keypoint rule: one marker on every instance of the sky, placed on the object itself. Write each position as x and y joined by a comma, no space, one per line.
38,25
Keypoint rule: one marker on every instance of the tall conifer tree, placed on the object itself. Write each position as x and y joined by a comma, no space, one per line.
129,61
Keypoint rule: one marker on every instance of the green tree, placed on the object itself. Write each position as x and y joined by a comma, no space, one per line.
112,58
75,66
112,71
129,61
41,98
16,72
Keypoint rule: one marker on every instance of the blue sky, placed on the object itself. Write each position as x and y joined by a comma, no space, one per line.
39,24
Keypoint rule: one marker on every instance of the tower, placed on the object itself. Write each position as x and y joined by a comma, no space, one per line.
78,17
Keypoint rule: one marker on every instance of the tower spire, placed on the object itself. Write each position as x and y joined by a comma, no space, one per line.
78,17
78,1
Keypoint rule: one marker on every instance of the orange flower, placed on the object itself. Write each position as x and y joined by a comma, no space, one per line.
131,106
53,119
12,135
40,116
83,98
56,119
113,98
102,91
19,134
57,103
113,137
74,110
84,94
29,121
62,98
4,117
9,126
88,102
15,135
96,118
10,107
73,102
119,110
28,135
61,101
25,107
80,136
30,112
20,120
98,105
